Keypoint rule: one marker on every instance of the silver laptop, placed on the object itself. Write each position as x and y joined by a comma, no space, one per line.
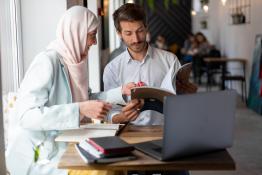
194,124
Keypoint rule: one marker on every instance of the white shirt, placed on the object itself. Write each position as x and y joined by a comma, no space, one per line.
151,70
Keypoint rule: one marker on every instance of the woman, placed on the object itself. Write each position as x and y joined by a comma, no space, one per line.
54,96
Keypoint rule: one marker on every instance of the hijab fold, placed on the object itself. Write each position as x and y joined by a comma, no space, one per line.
71,44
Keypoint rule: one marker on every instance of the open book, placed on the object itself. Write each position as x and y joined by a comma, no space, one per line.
175,82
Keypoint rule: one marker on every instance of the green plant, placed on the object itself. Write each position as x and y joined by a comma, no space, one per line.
204,2
151,3
36,153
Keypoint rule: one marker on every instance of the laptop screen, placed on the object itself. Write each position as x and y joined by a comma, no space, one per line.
198,123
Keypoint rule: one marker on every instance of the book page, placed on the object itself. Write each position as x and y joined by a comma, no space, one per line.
182,74
77,135
101,126
167,82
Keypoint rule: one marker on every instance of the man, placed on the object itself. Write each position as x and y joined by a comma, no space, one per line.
140,62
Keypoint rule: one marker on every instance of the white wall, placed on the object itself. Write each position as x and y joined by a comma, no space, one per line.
39,20
233,40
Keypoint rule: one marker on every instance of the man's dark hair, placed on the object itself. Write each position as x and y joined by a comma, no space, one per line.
129,12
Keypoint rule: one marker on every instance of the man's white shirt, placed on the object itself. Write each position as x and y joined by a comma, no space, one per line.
151,70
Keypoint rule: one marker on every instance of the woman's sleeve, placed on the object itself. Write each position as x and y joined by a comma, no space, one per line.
113,90
33,108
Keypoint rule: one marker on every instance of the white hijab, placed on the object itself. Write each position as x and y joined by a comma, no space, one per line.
71,44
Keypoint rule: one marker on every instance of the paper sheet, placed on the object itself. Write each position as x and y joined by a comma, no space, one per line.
77,135
101,126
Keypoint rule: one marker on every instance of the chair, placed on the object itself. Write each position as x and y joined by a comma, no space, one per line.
209,69
240,78
197,64
213,67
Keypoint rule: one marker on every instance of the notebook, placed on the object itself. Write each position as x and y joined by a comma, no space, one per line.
90,159
110,145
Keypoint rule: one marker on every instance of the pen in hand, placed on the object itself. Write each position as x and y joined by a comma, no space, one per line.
118,104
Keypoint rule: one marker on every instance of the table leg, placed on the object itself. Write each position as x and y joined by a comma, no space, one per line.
208,77
223,76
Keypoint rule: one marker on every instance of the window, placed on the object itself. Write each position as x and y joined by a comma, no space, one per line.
10,63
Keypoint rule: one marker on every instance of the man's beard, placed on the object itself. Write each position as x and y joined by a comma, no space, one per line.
137,47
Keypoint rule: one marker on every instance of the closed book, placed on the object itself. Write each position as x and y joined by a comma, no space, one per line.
98,154
90,159
110,145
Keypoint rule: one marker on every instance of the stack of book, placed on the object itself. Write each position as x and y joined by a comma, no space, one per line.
105,150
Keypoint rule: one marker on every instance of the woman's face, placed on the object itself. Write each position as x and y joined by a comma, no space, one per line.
91,38
200,38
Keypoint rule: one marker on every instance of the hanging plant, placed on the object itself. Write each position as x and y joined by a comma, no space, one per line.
151,3
166,3
204,2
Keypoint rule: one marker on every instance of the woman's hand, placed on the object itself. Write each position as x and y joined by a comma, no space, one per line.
126,89
129,113
94,109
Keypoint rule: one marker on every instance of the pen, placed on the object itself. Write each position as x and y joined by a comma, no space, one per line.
120,105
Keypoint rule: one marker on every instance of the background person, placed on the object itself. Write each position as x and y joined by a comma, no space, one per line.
161,42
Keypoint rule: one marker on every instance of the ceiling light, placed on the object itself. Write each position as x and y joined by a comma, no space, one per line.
205,7
224,2
193,13
131,1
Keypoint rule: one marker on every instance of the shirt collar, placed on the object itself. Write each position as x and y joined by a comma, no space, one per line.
149,54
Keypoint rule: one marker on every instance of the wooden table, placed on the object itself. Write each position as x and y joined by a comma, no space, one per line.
223,62
133,134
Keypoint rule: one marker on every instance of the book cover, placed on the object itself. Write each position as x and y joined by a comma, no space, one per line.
98,154
183,85
90,159
110,145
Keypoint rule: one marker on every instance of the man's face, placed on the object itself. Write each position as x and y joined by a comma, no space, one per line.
134,35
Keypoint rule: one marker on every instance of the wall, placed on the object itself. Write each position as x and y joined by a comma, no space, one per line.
39,20
233,40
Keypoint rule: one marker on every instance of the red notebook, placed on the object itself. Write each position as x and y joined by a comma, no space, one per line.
110,145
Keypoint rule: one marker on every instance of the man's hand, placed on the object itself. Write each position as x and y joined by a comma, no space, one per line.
129,113
94,109
126,89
